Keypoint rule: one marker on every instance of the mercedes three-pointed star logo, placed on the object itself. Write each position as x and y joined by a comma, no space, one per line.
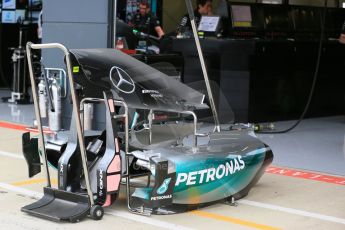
121,80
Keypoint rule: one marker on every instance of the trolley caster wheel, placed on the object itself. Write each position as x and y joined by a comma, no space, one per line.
96,212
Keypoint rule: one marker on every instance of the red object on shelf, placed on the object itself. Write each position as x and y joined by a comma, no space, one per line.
129,52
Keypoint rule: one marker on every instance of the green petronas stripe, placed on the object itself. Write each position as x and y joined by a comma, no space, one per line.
235,181
214,189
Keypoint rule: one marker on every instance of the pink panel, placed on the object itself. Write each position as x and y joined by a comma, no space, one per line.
113,183
117,145
111,105
115,165
107,201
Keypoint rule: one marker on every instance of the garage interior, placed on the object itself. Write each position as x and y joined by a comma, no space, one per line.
280,73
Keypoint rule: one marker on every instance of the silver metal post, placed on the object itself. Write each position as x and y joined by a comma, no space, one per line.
114,21
126,153
20,38
195,120
75,111
196,134
203,66
37,112
150,126
79,129
125,115
128,195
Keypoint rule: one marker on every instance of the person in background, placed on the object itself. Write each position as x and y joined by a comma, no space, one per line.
146,22
204,7
342,35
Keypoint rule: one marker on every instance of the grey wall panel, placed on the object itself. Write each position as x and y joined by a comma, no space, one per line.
73,36
75,11
76,35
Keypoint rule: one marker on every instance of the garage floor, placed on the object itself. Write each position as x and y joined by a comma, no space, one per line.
304,188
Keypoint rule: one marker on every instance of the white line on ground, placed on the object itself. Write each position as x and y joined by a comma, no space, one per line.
23,191
122,214
244,201
293,211
6,154
147,220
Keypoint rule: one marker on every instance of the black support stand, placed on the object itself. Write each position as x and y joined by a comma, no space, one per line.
19,94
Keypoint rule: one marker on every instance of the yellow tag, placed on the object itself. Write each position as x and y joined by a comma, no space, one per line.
242,24
75,69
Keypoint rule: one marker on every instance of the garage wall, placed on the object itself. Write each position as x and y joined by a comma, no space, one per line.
75,20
